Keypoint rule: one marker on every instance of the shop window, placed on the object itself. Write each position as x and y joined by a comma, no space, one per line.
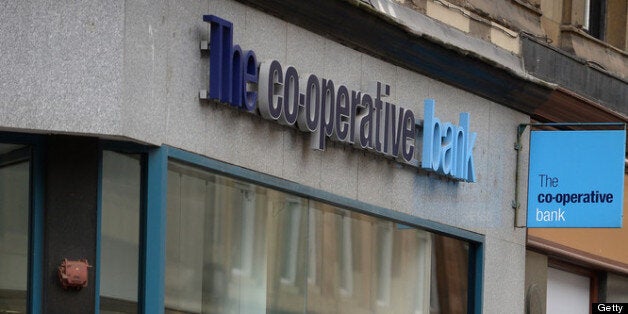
567,292
14,226
120,225
216,252
295,256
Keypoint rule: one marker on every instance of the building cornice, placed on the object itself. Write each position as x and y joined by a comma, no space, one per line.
413,41
581,258
437,51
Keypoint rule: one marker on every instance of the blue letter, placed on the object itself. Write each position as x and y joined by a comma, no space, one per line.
468,166
459,151
447,149
431,138
236,77
221,41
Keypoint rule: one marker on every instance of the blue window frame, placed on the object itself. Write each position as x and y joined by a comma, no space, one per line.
152,224
475,241
36,216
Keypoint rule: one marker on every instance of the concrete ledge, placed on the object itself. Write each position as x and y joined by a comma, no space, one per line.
405,38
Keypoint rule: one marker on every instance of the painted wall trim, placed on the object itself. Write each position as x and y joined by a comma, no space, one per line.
560,251
476,274
153,232
96,263
37,227
152,252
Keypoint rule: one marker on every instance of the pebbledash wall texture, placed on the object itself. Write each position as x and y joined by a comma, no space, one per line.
132,70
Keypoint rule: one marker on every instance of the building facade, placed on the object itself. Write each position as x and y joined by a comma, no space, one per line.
273,156
584,53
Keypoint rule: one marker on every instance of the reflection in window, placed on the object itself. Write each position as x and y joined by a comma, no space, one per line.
346,256
14,213
243,220
120,223
235,247
423,269
384,262
313,246
215,244
451,259
291,243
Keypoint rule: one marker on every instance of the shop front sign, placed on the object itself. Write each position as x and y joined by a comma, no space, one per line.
363,119
576,179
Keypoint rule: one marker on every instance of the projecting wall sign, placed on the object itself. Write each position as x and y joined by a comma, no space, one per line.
576,179
333,111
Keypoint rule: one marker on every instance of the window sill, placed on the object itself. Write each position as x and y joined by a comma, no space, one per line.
596,52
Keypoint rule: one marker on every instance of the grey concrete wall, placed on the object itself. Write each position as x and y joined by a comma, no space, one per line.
61,65
536,282
134,69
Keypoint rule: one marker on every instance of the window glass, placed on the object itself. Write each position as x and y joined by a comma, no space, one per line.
594,18
567,292
367,265
236,247
14,226
119,239
449,273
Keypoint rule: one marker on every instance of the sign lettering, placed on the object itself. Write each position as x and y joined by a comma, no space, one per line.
333,111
